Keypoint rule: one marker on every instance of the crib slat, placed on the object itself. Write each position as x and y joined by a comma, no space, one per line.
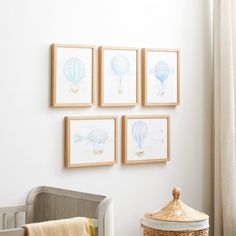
4,220
15,210
12,209
15,219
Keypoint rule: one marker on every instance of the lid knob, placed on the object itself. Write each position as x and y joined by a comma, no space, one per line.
176,193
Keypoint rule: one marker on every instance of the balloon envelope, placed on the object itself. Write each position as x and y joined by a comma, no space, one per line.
139,132
120,65
98,136
162,71
74,70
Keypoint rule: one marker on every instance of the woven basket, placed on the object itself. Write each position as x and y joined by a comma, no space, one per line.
175,219
156,232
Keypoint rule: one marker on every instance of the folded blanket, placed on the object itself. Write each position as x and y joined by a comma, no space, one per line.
78,226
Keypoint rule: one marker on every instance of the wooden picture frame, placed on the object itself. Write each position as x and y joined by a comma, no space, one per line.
145,139
118,76
91,141
160,77
72,75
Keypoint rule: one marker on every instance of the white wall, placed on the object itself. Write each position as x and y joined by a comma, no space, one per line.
31,132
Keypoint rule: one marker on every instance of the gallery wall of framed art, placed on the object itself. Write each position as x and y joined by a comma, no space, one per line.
119,74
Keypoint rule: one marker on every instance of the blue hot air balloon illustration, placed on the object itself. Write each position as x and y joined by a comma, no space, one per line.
120,66
139,133
74,71
162,72
96,138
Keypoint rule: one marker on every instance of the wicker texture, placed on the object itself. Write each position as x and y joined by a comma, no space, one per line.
177,211
155,232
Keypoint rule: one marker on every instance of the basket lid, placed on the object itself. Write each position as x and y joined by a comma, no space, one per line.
176,210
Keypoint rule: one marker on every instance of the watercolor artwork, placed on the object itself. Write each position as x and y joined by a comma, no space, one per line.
91,141
160,77
118,76
146,139
72,75
139,134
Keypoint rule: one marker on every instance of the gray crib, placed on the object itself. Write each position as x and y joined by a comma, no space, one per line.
47,203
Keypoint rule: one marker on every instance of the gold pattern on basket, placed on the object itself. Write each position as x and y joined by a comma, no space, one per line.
156,232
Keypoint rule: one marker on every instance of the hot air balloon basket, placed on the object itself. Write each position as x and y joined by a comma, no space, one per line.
147,231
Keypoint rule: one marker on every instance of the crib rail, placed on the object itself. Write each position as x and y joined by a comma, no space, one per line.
46,203
13,211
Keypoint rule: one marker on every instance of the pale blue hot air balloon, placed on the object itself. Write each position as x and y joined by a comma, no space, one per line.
139,133
162,72
120,66
74,71
96,137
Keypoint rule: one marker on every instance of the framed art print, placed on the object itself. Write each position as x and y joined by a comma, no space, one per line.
160,76
72,75
118,76
90,141
146,139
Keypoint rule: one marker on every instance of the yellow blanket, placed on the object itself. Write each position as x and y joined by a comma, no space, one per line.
78,226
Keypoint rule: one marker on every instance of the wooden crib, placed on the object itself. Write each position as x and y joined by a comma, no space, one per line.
47,203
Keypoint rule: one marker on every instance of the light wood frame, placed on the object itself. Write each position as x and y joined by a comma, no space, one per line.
101,75
124,139
144,77
54,75
67,140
